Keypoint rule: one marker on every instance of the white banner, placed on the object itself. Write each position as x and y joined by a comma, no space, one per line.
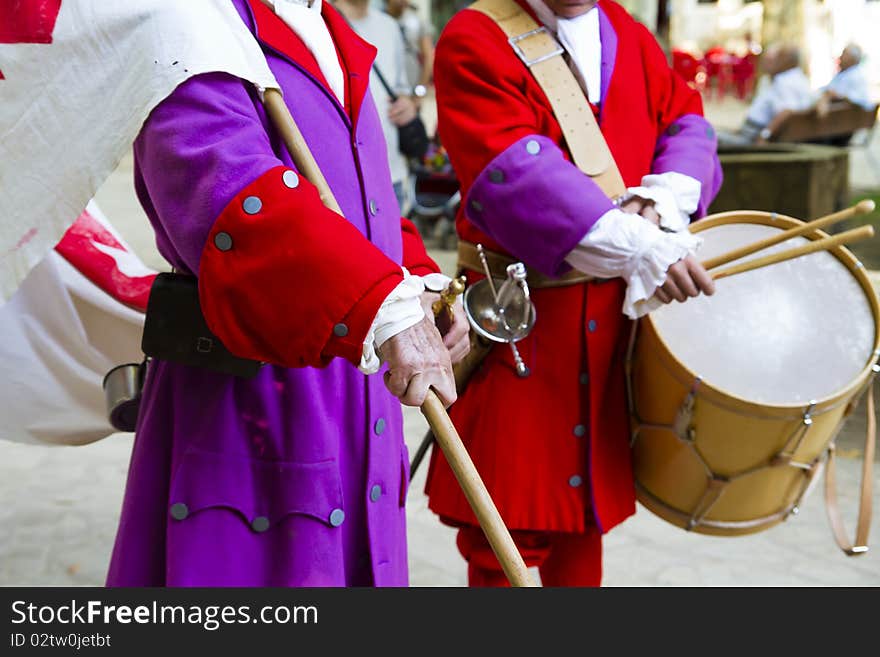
70,109
61,334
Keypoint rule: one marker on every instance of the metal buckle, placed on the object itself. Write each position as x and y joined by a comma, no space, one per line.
514,41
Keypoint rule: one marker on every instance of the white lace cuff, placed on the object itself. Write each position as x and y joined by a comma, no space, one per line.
675,195
401,310
629,246
650,271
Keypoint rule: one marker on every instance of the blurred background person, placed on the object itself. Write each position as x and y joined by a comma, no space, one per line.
850,83
381,30
787,91
418,43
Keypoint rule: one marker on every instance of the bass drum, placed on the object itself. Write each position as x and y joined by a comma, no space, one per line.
734,398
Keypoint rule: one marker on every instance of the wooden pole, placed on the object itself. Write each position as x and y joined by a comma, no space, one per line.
475,492
296,145
447,437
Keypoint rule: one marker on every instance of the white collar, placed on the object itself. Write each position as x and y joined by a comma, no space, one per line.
306,20
580,36
314,5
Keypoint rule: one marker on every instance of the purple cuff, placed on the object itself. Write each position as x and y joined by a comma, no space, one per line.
689,146
536,204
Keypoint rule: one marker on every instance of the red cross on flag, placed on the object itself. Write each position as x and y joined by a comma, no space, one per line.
27,21
79,79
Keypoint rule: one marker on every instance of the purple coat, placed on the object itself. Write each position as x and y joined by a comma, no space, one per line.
297,477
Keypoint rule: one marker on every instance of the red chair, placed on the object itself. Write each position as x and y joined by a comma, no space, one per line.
690,68
719,70
745,74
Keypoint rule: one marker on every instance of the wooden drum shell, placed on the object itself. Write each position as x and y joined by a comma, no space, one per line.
724,474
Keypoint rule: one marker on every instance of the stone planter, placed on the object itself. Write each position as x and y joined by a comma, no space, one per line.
803,181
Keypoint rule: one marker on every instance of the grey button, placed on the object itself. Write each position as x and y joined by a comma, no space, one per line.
584,379
290,179
580,431
674,130
476,205
223,241
260,524
496,176
375,493
340,330
252,204
591,326
379,427
373,207
179,511
710,133
533,147
575,480
337,517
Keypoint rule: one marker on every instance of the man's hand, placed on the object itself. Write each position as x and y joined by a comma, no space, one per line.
686,278
417,360
645,208
402,111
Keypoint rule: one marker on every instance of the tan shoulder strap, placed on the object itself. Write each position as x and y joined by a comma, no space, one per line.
542,54
863,525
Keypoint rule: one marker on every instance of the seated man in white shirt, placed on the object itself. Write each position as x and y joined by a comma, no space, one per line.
788,91
850,84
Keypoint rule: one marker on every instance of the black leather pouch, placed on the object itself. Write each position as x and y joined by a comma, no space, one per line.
175,329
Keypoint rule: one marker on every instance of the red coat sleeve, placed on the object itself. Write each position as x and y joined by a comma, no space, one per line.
415,257
270,291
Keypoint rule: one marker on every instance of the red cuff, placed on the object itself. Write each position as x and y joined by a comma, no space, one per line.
415,258
286,281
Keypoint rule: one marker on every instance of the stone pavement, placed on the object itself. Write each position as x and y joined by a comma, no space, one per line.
59,506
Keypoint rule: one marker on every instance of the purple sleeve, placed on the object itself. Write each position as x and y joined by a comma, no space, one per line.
196,151
535,203
689,146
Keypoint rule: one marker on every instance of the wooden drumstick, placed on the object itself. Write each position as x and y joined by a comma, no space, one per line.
854,235
863,207
447,437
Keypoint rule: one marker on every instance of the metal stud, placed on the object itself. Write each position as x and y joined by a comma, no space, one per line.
533,147
379,427
223,241
580,431
476,205
575,480
179,511
591,326
260,524
674,130
496,176
290,179
375,493
373,207
252,205
337,517
340,330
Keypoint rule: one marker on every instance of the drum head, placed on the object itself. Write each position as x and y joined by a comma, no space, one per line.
786,334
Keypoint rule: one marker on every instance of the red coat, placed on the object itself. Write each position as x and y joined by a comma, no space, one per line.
552,448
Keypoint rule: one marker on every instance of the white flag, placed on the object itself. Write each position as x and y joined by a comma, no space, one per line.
77,80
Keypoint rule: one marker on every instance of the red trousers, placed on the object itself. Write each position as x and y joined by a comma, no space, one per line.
562,559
